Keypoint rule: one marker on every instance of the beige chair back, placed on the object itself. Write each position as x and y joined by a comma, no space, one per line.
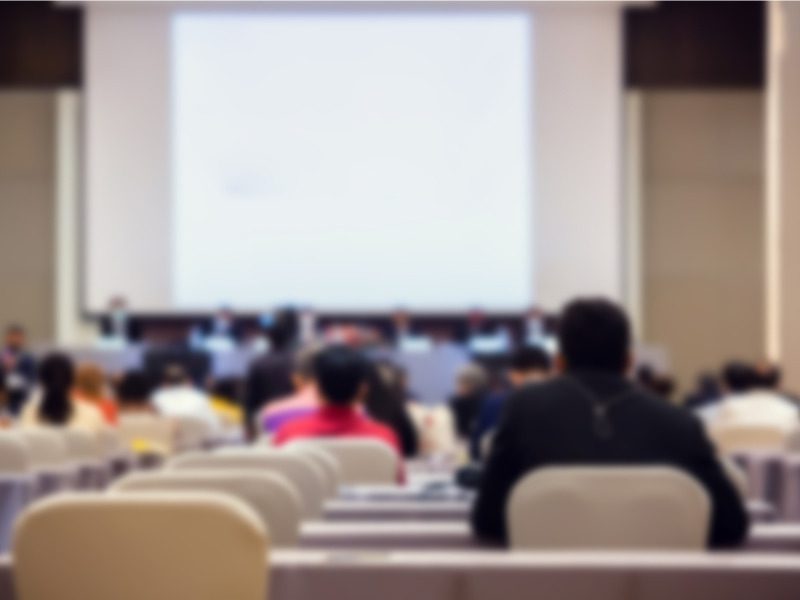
82,445
193,433
363,461
110,442
299,470
270,495
742,437
593,508
157,430
327,463
793,440
201,546
14,454
46,447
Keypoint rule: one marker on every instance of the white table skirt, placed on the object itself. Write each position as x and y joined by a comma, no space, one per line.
309,575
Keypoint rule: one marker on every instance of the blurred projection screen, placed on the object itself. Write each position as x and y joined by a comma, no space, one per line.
351,160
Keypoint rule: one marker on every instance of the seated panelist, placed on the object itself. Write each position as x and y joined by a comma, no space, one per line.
117,323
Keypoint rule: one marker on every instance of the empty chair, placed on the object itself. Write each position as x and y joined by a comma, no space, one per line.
202,546
14,454
746,437
270,495
117,456
575,508
363,461
298,469
435,429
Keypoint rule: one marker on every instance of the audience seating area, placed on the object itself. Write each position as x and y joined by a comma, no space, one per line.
307,521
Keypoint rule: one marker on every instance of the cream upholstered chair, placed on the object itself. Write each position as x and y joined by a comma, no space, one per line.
154,432
202,546
298,469
363,461
743,437
573,508
14,454
192,433
273,497
86,452
47,447
328,464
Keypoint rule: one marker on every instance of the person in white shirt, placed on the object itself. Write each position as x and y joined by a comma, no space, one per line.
177,398
747,401
53,404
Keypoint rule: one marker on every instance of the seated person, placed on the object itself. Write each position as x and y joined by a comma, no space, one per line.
54,404
341,374
133,393
224,401
591,414
302,402
529,364
90,386
472,387
748,400
178,397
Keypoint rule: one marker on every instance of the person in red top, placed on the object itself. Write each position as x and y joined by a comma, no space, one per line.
341,376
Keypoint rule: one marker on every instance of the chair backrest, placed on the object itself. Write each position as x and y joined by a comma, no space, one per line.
330,467
298,469
273,497
14,454
363,461
46,447
202,546
157,430
82,445
110,442
793,440
573,508
192,432
737,437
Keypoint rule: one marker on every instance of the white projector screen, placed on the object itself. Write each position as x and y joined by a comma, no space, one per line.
350,157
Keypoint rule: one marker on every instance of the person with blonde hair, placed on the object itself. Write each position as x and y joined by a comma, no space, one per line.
91,387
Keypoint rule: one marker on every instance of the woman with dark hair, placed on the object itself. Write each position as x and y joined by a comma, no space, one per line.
53,403
385,403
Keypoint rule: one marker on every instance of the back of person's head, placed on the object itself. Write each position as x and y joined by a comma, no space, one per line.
769,376
283,330
134,389
56,375
174,375
341,375
739,377
528,360
303,366
90,381
594,334
15,336
472,378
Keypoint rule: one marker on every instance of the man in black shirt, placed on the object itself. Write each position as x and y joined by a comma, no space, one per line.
592,415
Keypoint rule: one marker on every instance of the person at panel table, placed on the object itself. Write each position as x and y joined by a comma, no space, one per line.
117,323
591,414
19,366
342,376
302,402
